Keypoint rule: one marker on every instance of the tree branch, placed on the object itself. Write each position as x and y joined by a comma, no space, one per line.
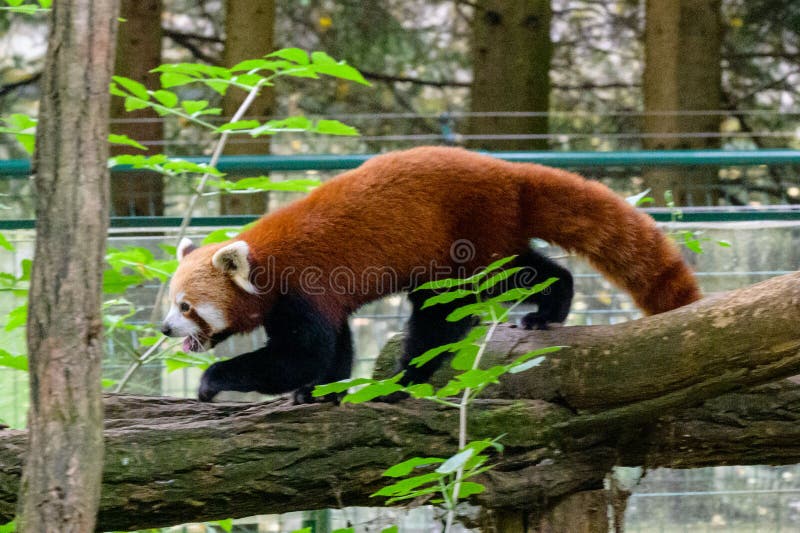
629,394
10,87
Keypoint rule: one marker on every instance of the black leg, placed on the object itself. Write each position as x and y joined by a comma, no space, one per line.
340,369
301,350
554,302
429,328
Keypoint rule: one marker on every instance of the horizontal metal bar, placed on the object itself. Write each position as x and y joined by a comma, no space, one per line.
696,215
239,164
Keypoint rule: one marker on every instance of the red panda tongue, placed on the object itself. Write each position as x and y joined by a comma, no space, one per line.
191,345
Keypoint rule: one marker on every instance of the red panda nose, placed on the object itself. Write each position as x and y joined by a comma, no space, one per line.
166,330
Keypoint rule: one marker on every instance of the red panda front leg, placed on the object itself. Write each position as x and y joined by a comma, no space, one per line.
301,351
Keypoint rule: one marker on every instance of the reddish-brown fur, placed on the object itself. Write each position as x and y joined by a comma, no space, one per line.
404,210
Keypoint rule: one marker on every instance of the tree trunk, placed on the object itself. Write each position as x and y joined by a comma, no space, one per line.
139,193
682,73
250,34
511,54
61,484
170,461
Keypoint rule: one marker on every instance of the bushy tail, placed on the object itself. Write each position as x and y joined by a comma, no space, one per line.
621,242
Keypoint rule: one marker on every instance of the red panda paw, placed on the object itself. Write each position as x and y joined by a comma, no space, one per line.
535,320
304,395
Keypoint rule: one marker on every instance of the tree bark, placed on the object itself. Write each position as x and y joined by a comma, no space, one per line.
139,193
511,55
682,72
170,461
249,34
61,485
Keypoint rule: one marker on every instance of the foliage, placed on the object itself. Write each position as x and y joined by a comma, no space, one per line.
132,267
19,6
443,480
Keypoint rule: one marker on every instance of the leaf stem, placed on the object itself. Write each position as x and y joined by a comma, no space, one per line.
137,365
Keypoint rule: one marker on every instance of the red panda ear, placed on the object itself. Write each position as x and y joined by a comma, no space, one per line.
184,247
232,259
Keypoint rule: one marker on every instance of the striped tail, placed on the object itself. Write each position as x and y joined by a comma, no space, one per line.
622,243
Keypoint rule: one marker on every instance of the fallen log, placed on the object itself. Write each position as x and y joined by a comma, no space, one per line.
587,408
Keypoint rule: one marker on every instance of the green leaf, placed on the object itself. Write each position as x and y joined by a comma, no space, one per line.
296,55
420,390
132,104
124,140
516,369
478,377
297,123
149,341
17,318
345,530
21,121
334,127
4,243
467,310
390,529
465,357
9,527
115,282
172,79
724,244
17,362
473,335
455,462
536,353
188,360
23,128
469,488
220,235
107,383
248,80
325,64
225,525
491,267
430,354
406,467
339,386
220,87
405,485
692,243
194,106
166,98
261,64
134,87
372,391
303,530
45,4
239,125
515,295
497,278
447,297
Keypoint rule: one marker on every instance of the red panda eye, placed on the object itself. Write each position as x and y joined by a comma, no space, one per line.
184,307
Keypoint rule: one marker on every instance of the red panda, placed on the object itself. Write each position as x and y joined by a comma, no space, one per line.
397,221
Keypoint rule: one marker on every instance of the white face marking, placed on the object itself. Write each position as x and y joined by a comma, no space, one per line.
179,324
213,316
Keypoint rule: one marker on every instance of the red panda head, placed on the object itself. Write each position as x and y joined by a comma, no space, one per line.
210,295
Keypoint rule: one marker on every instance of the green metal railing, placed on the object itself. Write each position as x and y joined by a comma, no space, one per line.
237,164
